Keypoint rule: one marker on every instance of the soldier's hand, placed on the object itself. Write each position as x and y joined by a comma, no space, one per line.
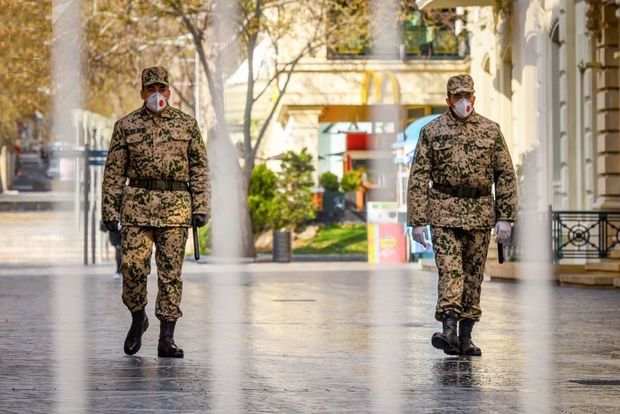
112,225
503,230
418,235
199,220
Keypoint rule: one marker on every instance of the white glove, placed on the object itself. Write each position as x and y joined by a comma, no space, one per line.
418,235
503,229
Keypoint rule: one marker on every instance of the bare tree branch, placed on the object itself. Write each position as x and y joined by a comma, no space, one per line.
249,101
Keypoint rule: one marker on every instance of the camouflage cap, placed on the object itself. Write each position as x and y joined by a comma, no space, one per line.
156,74
460,83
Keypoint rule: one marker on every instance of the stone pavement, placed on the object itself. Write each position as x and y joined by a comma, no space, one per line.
40,237
35,201
300,338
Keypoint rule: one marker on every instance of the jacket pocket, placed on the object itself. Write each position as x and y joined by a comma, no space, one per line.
177,146
444,151
135,208
442,142
135,139
482,152
484,143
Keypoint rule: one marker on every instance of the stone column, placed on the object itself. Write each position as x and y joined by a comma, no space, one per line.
603,23
567,109
503,73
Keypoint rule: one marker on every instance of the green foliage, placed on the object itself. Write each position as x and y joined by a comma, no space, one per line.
337,239
292,203
204,238
329,181
260,196
351,180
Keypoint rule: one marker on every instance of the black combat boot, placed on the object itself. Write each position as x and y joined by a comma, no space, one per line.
466,346
167,348
139,324
447,340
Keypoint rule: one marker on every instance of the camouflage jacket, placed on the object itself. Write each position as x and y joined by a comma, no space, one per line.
461,154
167,146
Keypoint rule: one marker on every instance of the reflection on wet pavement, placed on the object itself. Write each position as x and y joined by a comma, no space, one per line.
302,341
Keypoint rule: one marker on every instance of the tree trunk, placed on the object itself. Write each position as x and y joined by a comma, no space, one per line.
232,230
231,227
2,167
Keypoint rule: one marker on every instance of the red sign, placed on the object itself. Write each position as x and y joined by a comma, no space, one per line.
386,243
357,141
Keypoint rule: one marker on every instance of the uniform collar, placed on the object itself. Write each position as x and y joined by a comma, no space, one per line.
473,118
166,113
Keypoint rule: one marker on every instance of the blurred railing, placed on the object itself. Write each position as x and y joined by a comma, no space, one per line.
584,234
418,42
574,235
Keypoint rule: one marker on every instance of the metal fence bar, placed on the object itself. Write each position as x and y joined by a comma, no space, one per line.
584,234
574,235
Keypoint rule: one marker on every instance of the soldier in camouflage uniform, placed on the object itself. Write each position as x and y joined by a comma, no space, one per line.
458,159
156,183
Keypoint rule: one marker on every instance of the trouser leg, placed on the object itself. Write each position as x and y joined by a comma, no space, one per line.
476,247
448,248
136,250
169,255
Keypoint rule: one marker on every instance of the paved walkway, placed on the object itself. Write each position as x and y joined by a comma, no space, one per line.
40,237
36,200
305,337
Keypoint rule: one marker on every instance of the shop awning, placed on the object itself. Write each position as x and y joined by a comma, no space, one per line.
412,132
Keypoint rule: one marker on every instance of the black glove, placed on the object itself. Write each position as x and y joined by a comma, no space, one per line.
199,220
112,225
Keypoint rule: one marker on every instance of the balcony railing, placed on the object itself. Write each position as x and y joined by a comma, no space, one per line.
415,43
574,235
584,234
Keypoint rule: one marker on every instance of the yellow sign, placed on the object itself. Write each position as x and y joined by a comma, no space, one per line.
377,80
388,242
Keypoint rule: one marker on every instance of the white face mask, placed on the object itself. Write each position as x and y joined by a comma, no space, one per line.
156,102
463,108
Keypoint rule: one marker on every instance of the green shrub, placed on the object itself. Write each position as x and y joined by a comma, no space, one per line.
204,238
292,206
329,181
351,180
260,197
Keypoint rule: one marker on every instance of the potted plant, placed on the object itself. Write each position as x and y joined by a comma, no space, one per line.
350,184
291,206
333,200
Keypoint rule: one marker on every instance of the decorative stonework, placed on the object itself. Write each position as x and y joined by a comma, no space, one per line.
593,18
502,10
602,20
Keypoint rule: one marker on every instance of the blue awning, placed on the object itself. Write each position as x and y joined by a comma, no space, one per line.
412,132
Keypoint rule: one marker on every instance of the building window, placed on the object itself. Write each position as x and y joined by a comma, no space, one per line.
423,35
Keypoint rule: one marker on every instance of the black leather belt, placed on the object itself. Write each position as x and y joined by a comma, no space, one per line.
159,185
462,192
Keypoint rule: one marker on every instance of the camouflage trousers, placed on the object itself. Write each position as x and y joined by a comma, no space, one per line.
137,249
460,256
